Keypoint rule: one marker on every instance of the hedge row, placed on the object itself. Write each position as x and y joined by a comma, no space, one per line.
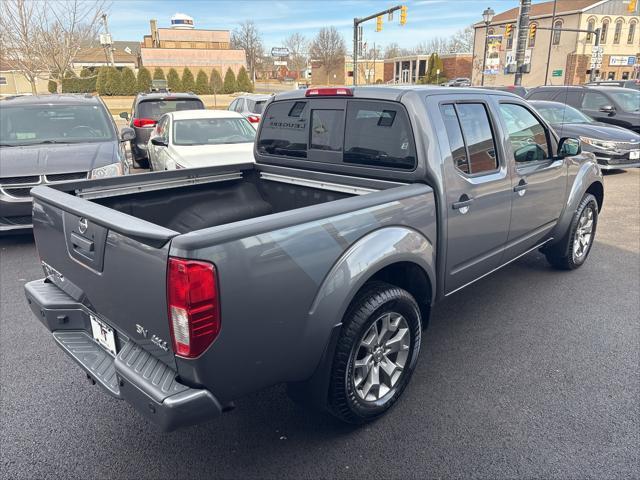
111,81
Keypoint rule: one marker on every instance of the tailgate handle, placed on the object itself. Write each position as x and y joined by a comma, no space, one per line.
81,243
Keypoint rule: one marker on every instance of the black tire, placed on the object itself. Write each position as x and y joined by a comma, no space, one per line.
141,163
370,306
563,255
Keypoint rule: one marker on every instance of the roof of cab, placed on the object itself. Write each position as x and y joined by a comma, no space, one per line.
194,114
393,93
51,99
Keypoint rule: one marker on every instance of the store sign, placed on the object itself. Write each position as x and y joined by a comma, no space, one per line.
621,60
556,73
279,52
280,63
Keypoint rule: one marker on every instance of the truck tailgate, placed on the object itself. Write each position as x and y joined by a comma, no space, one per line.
113,264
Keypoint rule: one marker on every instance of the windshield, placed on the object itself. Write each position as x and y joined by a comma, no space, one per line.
562,114
36,124
212,131
628,101
154,109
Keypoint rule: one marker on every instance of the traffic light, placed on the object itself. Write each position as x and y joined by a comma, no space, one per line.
508,30
403,14
532,30
379,23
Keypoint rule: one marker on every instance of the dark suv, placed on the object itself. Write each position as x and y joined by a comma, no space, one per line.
614,105
146,110
48,139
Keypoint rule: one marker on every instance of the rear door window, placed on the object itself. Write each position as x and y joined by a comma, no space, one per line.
470,137
378,134
542,95
594,101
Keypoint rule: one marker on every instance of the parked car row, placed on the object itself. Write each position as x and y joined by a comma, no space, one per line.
56,138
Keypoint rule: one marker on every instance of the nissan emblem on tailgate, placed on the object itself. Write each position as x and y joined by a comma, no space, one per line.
82,225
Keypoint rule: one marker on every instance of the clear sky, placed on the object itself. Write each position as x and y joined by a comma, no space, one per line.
129,20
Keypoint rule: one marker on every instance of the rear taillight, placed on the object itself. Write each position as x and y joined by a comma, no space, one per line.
193,305
253,118
144,122
321,92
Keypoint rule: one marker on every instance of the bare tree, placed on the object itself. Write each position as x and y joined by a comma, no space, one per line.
19,35
439,45
367,64
329,49
41,39
247,37
298,55
67,27
462,41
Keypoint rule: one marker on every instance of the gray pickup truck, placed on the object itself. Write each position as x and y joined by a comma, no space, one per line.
182,291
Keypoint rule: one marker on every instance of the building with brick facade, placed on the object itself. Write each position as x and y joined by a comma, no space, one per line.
569,58
179,47
410,69
370,71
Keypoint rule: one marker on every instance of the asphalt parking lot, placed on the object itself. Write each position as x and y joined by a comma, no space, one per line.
529,373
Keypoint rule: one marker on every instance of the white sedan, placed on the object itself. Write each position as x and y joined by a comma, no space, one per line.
198,138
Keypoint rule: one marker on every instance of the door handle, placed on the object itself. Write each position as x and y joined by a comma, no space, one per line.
521,188
463,204
81,243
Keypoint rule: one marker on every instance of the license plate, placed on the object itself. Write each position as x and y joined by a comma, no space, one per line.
103,334
634,155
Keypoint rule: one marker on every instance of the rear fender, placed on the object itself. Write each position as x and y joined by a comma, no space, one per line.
362,261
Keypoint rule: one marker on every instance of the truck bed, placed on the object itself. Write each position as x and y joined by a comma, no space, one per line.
274,235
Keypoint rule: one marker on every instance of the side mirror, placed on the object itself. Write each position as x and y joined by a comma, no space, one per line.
124,115
158,141
608,109
127,134
568,147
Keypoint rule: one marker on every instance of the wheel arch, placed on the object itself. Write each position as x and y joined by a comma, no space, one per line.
597,190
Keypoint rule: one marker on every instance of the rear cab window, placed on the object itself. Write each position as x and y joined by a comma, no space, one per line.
154,108
351,132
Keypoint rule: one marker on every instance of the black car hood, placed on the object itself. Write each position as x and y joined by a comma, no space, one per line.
51,159
597,130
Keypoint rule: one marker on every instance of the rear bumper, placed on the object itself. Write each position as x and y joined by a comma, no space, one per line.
134,375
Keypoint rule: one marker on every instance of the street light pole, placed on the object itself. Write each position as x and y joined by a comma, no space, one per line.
553,32
487,16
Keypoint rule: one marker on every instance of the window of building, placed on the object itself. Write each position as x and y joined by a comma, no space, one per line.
378,134
532,38
470,137
611,76
604,30
557,33
3,80
617,32
632,32
591,25
529,139
625,75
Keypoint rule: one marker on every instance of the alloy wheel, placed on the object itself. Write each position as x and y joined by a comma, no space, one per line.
381,357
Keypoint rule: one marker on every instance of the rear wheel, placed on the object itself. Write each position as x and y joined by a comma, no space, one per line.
376,353
574,249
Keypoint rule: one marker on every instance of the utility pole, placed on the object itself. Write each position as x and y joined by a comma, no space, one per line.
596,47
553,26
106,42
356,33
523,32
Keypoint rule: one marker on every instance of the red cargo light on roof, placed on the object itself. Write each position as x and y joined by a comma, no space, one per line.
193,305
321,92
253,118
144,122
